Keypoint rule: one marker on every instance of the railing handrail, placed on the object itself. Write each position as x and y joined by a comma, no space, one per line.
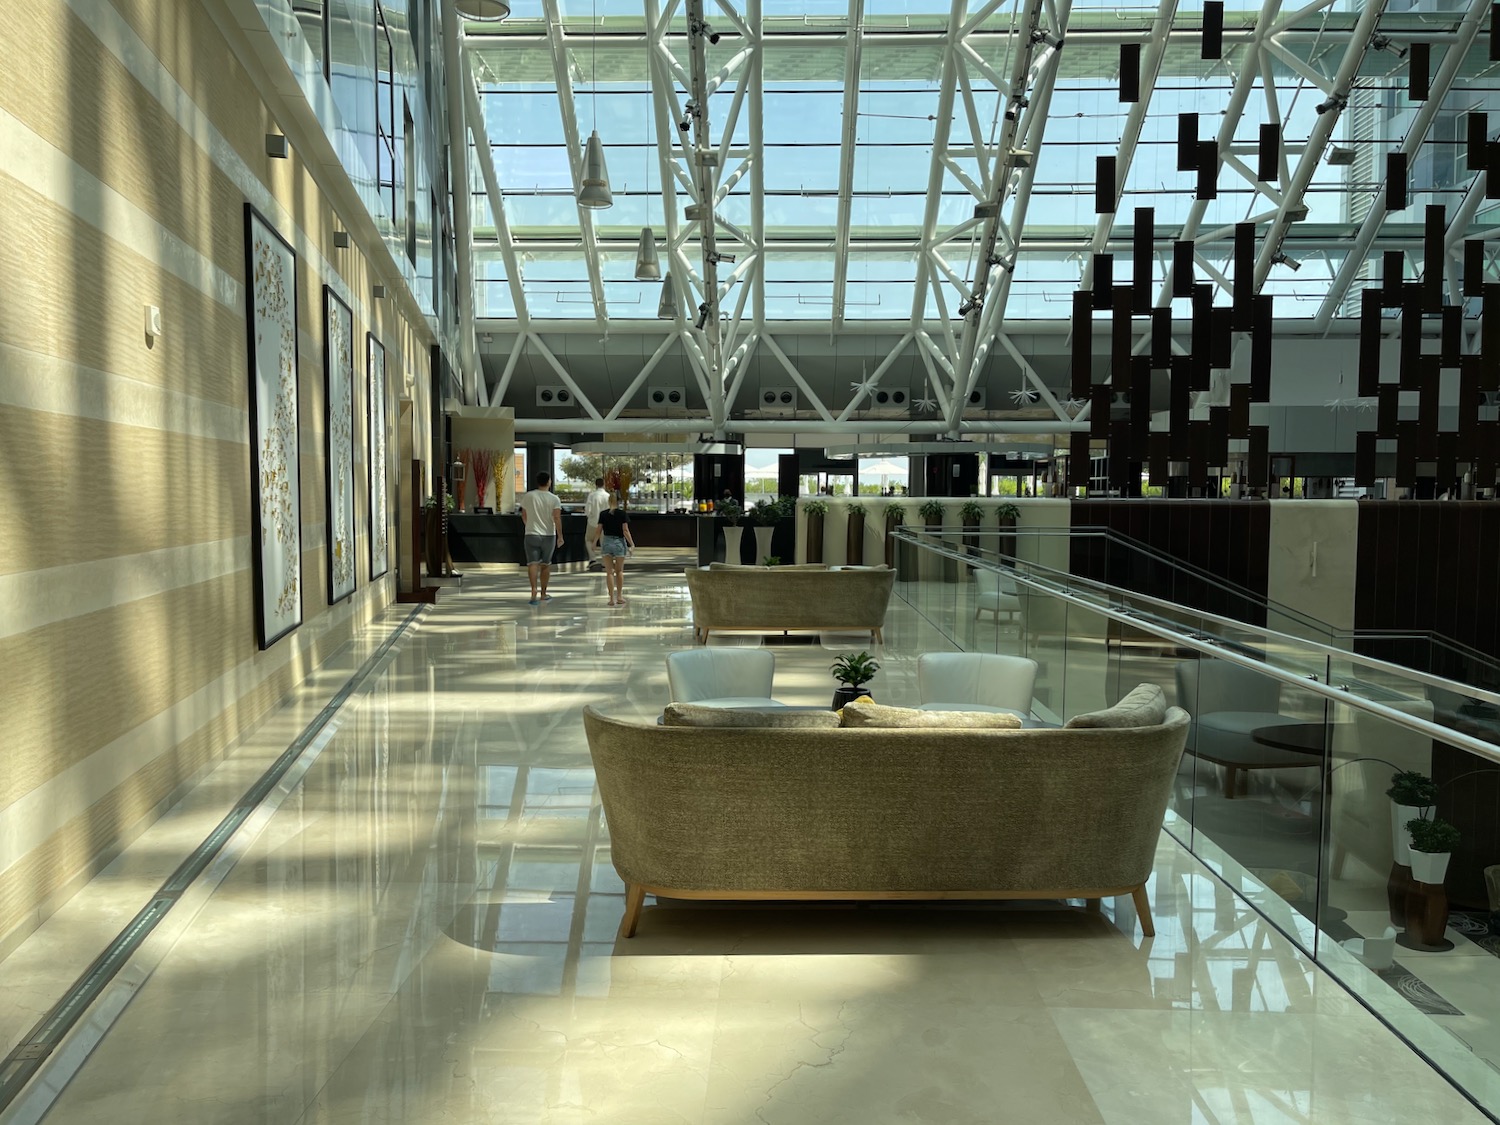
1129,542
1167,631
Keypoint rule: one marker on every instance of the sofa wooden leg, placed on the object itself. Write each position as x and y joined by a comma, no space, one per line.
635,897
878,636
1143,910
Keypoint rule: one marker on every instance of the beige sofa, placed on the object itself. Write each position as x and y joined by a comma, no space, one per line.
772,599
785,813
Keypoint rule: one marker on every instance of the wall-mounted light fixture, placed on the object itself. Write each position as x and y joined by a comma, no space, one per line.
341,239
153,322
276,146
378,292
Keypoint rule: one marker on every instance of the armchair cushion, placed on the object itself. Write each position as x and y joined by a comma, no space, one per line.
1144,706
878,715
693,715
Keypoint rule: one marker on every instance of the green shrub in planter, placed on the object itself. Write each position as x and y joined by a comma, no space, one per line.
931,511
731,512
855,508
971,512
816,507
764,513
1435,836
1007,512
895,513
1411,788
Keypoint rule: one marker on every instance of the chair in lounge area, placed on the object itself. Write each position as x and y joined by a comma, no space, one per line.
722,677
995,593
975,681
1229,704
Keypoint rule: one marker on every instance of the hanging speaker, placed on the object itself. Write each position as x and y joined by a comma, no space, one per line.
1213,29
1268,154
1104,185
1395,181
1130,72
1419,71
1187,142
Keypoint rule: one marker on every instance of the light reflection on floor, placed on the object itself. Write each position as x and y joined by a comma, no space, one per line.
425,933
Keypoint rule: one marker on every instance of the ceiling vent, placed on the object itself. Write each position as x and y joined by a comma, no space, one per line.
976,399
667,398
894,398
778,400
554,396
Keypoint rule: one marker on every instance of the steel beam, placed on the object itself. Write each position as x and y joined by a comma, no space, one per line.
486,160
564,81
562,373
463,201
802,384
1322,132
1442,82
847,151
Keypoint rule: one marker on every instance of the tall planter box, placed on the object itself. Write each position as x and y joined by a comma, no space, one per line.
854,540
815,537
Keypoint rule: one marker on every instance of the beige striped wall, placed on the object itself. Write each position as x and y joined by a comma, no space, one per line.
127,637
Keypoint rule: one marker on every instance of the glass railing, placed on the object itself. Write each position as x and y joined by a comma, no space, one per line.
1283,789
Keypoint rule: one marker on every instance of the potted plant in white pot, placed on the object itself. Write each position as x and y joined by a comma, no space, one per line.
1411,794
731,513
854,670
763,515
1432,843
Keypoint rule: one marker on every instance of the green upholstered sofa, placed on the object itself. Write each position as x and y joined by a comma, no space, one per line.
772,599
776,814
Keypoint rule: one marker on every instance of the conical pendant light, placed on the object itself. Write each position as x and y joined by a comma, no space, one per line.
646,266
595,179
666,309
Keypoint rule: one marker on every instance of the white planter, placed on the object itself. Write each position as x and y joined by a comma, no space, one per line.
763,543
732,536
1429,867
1400,838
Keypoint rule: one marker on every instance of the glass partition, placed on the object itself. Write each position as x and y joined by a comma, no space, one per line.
1295,744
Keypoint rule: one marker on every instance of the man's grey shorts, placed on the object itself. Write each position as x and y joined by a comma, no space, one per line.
539,548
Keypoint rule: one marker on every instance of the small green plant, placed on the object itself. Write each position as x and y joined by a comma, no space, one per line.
1413,789
1435,836
1007,512
971,512
931,511
786,507
771,560
731,512
895,513
855,508
763,513
816,507
855,669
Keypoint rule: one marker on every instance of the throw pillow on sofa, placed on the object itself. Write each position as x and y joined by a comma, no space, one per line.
859,714
691,715
1145,706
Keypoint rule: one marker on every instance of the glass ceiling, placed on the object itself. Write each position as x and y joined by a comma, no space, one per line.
889,171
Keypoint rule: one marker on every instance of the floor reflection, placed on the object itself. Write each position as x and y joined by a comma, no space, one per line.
426,933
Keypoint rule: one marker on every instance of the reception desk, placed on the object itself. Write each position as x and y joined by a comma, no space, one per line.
497,538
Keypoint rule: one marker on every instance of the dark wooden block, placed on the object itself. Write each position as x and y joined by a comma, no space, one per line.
1183,268
1081,371
1130,72
1104,281
1268,153
1395,181
1207,186
1434,233
1161,337
1370,304
1143,247
1104,184
1213,30
1187,142
1419,71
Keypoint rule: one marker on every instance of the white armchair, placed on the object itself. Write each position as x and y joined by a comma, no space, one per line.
995,593
1229,703
722,677
975,681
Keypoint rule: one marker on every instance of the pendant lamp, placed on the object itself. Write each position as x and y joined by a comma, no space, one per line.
646,266
482,11
666,309
594,191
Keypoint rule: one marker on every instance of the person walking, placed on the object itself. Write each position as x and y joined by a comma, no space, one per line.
597,501
615,542
541,514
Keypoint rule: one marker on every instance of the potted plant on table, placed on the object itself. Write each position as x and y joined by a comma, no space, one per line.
816,511
1411,794
854,543
854,670
1432,844
732,513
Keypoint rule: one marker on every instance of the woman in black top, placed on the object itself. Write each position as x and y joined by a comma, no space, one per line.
613,535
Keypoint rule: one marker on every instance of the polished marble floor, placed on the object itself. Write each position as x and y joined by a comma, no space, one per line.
424,932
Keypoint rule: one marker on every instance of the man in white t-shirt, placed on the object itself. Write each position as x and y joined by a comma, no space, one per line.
541,513
597,502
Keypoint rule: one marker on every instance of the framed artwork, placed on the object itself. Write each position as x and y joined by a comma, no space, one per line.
338,430
380,515
276,471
